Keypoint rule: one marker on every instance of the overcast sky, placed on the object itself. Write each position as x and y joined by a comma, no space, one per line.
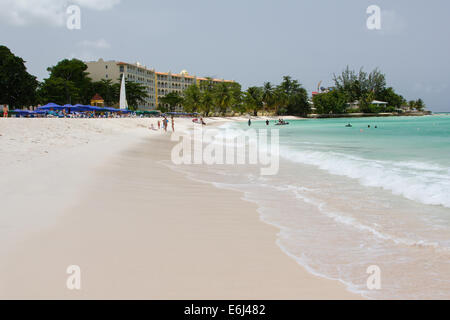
250,41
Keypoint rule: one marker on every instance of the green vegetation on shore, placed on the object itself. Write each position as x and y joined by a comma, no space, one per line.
17,86
228,98
362,89
69,83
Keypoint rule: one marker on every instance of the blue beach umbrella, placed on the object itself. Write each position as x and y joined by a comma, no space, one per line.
50,106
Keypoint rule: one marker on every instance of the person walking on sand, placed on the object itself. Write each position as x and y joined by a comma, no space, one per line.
173,124
159,125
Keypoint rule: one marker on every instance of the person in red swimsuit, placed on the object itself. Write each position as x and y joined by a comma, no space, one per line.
5,111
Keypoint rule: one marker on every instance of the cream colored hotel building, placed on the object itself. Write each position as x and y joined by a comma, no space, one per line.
158,84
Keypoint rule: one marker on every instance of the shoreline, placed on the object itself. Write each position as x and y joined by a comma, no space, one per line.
369,115
158,235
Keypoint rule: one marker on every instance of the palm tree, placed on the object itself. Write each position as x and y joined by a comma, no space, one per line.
206,102
192,98
420,105
207,96
253,100
136,93
173,99
269,96
223,97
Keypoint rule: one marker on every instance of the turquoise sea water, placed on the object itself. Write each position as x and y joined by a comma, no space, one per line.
346,199
424,139
408,156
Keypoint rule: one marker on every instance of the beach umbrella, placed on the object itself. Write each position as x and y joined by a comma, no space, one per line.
77,107
39,112
21,111
113,109
50,106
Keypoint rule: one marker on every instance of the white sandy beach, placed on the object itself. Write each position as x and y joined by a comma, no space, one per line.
94,193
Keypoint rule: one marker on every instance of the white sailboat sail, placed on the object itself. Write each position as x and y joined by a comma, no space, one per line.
123,95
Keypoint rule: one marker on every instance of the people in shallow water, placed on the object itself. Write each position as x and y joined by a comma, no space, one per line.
267,122
249,122
349,125
368,126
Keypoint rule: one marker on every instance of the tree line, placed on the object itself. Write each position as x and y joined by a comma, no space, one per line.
362,87
222,98
69,83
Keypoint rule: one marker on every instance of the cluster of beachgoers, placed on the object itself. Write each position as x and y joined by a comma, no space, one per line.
77,111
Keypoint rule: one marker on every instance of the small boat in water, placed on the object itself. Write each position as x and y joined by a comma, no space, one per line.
282,123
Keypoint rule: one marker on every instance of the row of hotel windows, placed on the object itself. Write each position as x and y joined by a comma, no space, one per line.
165,91
131,69
173,85
139,79
177,79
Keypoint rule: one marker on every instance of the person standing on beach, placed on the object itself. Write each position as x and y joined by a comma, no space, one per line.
5,111
173,124
159,125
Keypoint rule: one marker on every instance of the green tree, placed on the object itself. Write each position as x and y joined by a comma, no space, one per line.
136,94
105,88
293,97
237,97
173,99
192,98
253,100
269,97
68,83
365,103
358,84
393,99
334,102
17,86
223,97
210,96
420,105
207,96
59,91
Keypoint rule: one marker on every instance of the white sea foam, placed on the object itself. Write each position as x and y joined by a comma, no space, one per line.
421,182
